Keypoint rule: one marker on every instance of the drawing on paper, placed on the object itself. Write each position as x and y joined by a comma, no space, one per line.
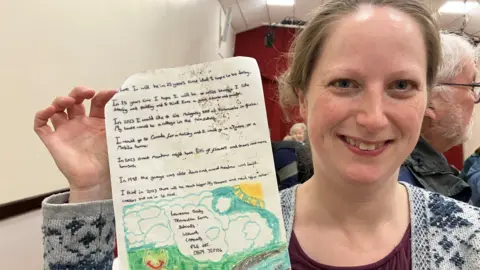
156,259
225,228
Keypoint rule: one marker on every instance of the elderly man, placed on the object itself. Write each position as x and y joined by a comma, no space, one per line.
447,122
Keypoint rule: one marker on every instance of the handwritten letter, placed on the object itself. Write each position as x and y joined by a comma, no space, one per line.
192,171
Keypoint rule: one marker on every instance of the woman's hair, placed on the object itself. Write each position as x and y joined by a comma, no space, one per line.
308,45
296,126
478,150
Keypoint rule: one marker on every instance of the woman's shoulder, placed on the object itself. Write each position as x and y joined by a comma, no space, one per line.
444,213
446,228
287,201
288,194
437,204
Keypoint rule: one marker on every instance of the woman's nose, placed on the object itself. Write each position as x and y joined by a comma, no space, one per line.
371,114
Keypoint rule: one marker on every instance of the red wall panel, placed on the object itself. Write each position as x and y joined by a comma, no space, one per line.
272,62
455,156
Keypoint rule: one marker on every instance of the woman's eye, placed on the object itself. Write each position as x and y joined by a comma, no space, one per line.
343,83
402,85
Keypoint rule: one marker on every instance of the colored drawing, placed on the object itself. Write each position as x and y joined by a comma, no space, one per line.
225,228
250,193
156,260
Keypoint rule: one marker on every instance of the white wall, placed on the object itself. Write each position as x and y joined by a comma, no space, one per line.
21,246
49,46
471,145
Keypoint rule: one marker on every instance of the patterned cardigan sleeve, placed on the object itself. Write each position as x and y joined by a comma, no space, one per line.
77,236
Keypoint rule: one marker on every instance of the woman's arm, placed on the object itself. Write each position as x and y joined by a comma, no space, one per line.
77,236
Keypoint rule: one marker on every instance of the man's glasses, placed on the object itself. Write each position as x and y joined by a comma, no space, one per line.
475,88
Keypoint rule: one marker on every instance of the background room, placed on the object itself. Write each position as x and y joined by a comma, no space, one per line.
50,46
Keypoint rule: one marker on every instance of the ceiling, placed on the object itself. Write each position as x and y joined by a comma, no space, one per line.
248,14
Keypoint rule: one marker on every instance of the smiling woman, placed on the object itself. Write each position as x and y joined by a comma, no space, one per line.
360,72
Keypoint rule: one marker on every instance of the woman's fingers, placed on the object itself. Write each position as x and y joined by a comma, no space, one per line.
79,93
55,113
58,119
62,103
40,124
65,108
97,107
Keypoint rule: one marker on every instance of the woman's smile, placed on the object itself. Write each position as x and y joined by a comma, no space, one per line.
364,147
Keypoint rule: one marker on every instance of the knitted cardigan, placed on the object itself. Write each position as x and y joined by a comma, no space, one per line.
445,232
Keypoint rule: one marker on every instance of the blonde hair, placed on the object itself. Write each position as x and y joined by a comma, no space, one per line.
296,126
308,45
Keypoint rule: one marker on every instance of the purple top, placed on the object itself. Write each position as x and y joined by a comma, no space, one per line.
398,259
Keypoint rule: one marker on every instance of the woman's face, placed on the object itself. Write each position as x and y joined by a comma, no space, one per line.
367,96
299,134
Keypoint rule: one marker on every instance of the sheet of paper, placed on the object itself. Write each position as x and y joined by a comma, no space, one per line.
192,170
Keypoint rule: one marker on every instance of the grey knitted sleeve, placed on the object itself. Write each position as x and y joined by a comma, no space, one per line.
77,236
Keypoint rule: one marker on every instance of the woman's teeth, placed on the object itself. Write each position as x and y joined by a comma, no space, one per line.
363,145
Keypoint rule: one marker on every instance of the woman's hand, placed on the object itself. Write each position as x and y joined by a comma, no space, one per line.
78,142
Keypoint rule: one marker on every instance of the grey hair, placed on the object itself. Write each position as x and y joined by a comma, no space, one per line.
455,51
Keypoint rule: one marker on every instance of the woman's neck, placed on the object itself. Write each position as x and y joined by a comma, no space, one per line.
354,206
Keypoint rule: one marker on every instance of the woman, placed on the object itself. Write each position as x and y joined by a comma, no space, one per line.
297,133
363,98
360,73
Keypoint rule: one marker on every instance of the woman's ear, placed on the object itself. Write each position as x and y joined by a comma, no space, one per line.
302,102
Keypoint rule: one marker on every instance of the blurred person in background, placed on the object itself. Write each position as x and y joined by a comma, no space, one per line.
471,174
447,122
297,133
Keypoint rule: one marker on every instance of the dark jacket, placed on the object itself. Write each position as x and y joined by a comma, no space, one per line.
471,173
432,172
293,163
468,164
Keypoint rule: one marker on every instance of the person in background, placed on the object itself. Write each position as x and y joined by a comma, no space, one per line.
447,122
469,162
471,174
293,163
297,133
361,73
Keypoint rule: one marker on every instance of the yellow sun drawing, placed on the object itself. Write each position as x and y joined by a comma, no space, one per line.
250,193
